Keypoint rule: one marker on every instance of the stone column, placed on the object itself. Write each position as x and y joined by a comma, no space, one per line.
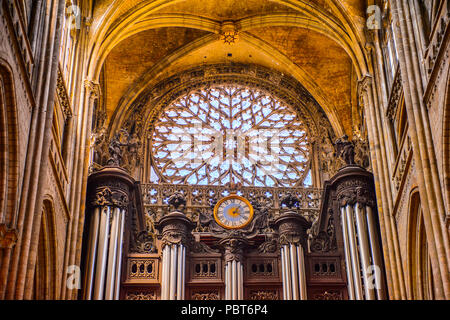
174,229
234,267
110,190
360,230
383,185
292,238
430,186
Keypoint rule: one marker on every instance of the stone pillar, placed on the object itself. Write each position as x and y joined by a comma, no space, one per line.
293,238
360,231
234,267
108,206
174,229
419,130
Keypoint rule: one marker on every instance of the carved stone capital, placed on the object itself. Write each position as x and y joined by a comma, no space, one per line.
355,185
92,89
174,229
110,187
292,229
364,85
234,248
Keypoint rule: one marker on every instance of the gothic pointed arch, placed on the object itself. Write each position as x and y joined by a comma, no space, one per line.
9,165
46,273
419,265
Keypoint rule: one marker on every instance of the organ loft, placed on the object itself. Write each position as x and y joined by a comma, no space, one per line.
224,150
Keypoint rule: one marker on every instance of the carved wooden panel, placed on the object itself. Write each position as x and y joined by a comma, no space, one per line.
327,295
141,294
324,268
205,294
142,268
262,268
261,292
205,269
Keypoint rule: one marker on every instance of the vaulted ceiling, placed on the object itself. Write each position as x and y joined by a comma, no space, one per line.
317,42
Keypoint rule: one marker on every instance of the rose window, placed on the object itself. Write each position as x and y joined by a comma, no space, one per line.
230,133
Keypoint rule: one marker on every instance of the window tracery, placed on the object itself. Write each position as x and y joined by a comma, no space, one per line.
219,134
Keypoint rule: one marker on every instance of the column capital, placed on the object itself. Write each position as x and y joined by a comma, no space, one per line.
364,85
110,186
353,185
292,228
174,229
234,248
92,89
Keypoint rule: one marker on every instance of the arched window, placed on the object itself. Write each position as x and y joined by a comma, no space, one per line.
71,24
389,44
420,271
219,134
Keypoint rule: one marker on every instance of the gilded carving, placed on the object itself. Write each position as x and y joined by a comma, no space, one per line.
328,295
264,295
205,295
144,295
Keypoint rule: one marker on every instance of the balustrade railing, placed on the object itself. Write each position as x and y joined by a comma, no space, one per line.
203,198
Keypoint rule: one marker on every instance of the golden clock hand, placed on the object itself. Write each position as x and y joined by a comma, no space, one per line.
234,212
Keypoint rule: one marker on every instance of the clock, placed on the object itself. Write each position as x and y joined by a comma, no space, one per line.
233,212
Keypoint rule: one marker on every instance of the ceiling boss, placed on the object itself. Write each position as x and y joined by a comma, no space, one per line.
233,212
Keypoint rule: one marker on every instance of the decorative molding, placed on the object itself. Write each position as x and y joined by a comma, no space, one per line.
292,229
92,89
205,295
325,240
396,94
264,295
175,229
142,268
234,249
202,248
105,197
403,160
63,96
328,295
269,246
364,86
439,37
140,295
110,187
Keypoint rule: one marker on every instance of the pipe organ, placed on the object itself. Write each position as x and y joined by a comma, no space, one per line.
177,242
109,200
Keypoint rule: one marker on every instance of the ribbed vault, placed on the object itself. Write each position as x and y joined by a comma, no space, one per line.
137,44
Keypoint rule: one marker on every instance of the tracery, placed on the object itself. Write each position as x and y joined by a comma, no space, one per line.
219,134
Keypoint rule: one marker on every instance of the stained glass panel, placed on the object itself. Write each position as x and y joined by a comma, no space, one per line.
230,133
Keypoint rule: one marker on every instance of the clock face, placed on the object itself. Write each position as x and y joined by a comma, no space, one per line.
233,212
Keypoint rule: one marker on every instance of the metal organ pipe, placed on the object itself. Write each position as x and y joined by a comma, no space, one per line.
362,253
354,257
364,249
348,263
293,272
104,262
